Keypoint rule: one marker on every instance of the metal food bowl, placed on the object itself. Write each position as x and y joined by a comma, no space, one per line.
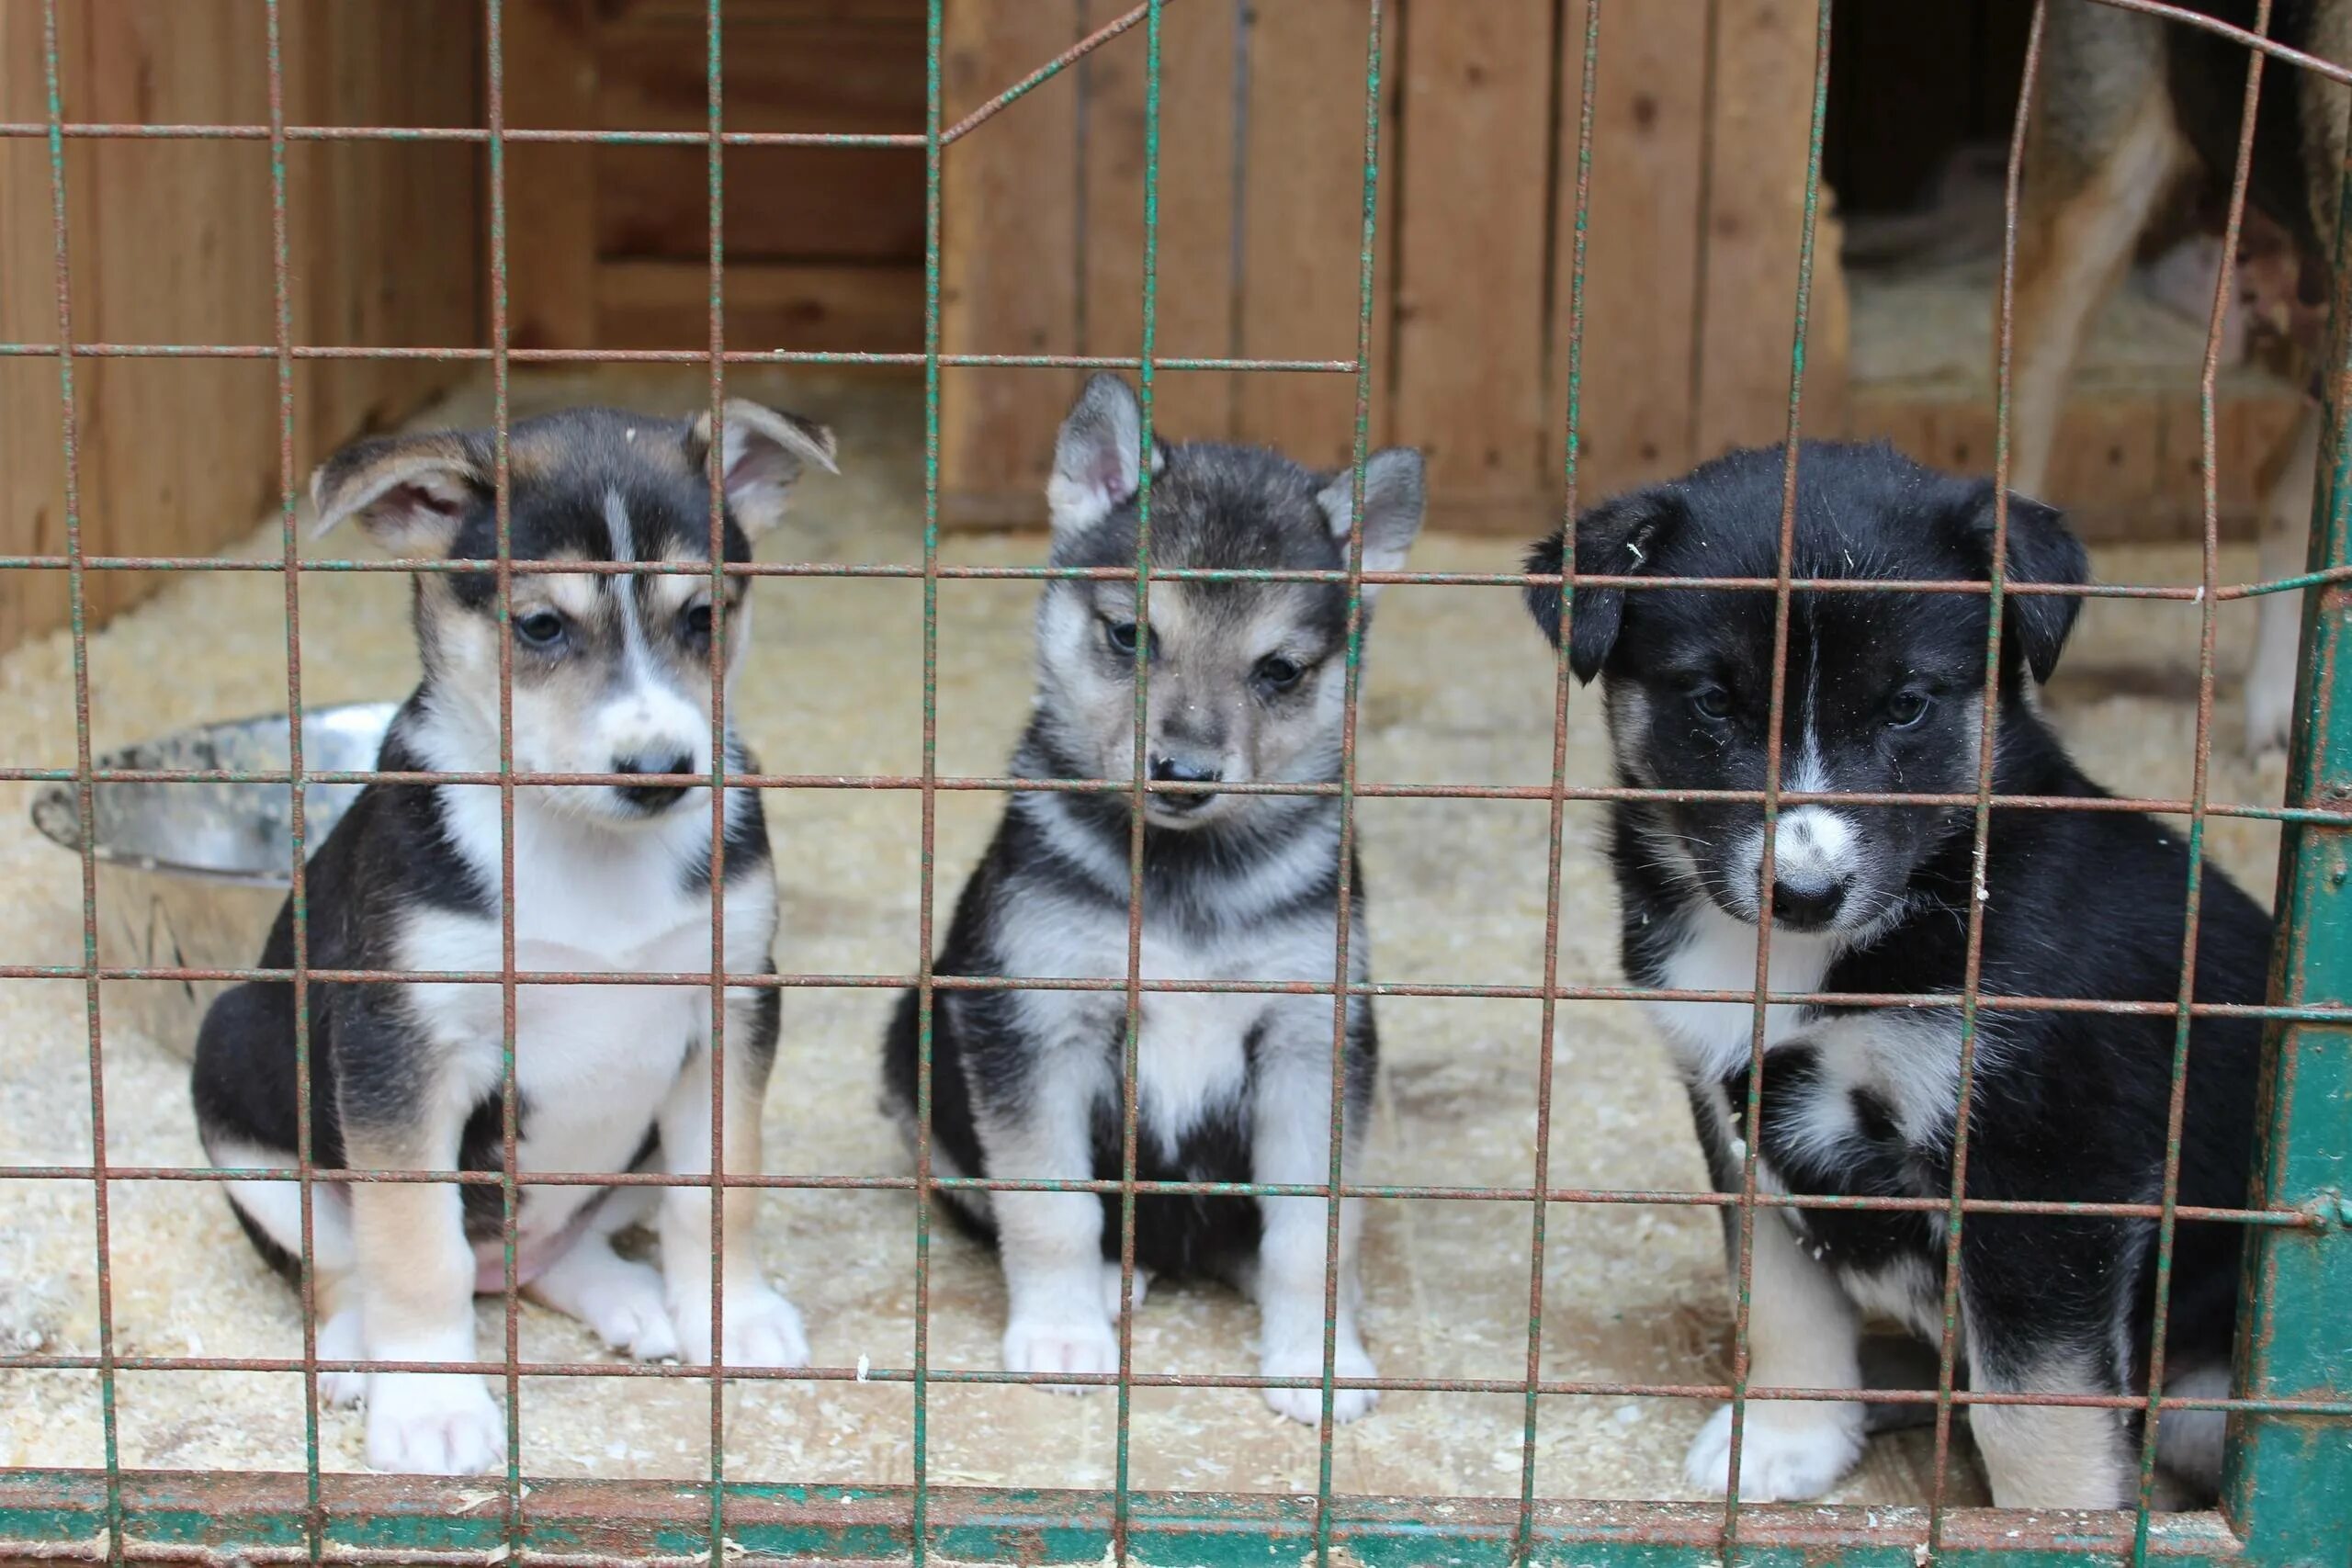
191,876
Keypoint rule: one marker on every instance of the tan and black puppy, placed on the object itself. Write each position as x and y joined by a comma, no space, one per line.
2129,109
610,675
1246,686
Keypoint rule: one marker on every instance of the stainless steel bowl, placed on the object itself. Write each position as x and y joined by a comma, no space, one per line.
190,875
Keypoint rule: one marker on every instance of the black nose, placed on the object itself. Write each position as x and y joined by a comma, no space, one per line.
1183,770
1806,906
652,798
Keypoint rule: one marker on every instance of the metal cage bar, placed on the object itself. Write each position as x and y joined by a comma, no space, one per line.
2290,1487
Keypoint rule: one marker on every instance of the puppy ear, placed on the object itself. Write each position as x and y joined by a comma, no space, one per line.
2040,549
411,493
1616,538
763,453
1392,503
1095,471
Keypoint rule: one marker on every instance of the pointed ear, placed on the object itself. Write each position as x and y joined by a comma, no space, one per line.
1393,504
1617,538
411,493
1094,456
762,454
2040,549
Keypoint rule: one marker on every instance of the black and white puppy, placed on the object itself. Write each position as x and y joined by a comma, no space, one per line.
610,675
1884,693
1246,685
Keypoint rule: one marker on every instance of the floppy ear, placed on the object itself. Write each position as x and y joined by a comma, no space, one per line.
1392,508
411,493
1095,469
2040,548
763,453
1616,538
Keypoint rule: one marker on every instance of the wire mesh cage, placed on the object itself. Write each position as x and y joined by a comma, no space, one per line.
2289,1493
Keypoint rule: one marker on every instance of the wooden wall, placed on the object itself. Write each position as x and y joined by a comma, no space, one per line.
169,241
823,246
1694,221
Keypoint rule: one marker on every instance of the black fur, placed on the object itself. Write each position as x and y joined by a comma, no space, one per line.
2081,904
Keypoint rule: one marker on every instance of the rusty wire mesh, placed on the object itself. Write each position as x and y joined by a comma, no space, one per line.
920,1522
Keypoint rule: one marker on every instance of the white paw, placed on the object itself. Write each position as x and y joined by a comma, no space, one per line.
763,1330
1791,1449
627,1313
434,1424
2269,707
1111,1289
1305,1360
1047,1344
340,1340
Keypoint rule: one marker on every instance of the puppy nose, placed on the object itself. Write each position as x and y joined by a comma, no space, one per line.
652,797
1804,904
1183,770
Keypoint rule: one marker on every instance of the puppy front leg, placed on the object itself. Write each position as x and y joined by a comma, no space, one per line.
1057,1318
2286,541
415,1272
2049,1456
763,1329
1290,1144
1802,1332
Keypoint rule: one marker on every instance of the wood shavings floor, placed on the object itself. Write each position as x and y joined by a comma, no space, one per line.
1459,690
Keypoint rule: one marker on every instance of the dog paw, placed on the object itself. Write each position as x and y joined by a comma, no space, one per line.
627,1313
1306,1405
434,1424
763,1330
1791,1450
340,1340
1111,1289
1062,1345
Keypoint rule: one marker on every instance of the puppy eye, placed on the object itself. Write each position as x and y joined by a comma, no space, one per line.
540,628
1278,673
698,622
1908,708
1711,703
1122,636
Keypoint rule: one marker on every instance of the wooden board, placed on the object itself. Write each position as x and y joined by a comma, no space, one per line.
1197,206
1642,246
1471,349
1763,73
770,305
550,84
1010,261
1303,225
170,242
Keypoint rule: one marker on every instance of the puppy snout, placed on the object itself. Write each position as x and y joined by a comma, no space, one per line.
1805,906
652,798
1182,769
1813,867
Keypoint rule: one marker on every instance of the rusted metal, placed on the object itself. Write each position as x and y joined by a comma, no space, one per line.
2293,1404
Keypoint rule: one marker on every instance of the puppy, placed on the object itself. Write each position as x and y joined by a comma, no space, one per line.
610,675
1884,693
1246,686
2128,110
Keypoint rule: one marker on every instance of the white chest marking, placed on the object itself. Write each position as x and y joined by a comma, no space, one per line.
1710,1039
1192,1057
593,1062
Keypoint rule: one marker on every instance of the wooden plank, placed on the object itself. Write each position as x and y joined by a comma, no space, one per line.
1010,263
1642,246
1303,225
1763,111
171,242
1197,205
1473,251
356,208
770,305
550,84
791,65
